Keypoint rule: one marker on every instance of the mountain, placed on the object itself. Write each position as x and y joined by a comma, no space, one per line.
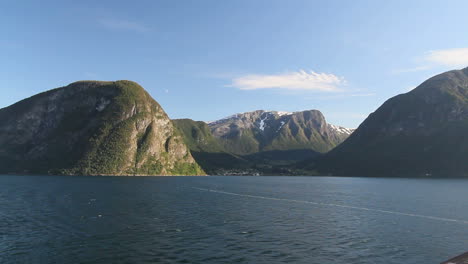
259,142
259,131
207,150
92,128
420,133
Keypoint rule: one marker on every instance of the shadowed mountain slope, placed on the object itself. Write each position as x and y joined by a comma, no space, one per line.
421,133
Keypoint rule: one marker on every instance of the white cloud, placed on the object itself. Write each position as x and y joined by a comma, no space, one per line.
300,80
123,25
449,57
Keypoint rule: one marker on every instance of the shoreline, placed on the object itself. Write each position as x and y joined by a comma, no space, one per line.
308,176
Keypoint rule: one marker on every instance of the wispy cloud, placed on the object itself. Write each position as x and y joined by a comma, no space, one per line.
301,80
362,94
413,69
449,57
125,25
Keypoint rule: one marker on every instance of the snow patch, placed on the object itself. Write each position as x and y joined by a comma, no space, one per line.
279,113
282,113
341,129
281,126
262,123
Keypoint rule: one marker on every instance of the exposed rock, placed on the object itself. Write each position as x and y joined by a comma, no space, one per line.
92,128
261,130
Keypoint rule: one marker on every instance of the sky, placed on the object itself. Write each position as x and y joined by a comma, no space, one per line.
208,59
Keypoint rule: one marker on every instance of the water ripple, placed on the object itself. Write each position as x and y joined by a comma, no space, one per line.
197,220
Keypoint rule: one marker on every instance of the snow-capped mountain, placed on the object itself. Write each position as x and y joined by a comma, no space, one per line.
261,130
340,129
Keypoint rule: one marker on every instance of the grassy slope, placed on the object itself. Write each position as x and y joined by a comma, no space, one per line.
206,149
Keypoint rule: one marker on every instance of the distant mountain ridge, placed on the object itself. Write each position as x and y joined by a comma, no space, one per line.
259,141
261,130
421,133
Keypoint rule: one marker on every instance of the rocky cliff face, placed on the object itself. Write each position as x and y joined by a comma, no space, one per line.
92,128
260,130
420,133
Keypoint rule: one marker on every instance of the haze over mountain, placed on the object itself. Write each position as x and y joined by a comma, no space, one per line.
420,133
92,128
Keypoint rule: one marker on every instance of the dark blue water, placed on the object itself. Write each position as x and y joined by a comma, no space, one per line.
46,219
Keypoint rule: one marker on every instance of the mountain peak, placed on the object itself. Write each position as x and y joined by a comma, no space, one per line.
260,112
419,133
92,128
453,81
261,130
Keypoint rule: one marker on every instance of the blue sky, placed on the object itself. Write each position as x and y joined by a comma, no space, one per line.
208,59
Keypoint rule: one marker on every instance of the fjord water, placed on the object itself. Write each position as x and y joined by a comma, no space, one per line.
47,219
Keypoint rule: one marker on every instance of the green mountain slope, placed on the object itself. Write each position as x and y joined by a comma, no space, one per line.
420,133
197,135
206,149
92,128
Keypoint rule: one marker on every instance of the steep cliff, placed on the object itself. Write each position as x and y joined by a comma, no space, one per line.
92,128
